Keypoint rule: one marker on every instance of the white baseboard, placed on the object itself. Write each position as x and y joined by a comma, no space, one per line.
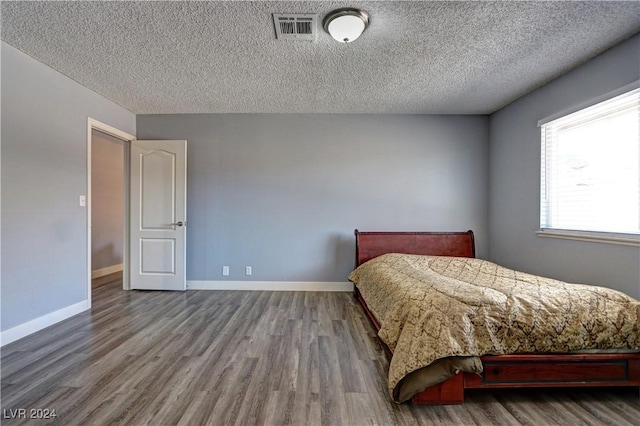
97,273
270,285
23,330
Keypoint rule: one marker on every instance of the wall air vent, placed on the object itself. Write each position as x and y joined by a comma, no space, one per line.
290,26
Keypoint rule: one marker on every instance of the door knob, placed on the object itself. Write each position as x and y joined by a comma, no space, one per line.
181,223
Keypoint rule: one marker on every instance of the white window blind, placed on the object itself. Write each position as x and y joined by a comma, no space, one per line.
590,178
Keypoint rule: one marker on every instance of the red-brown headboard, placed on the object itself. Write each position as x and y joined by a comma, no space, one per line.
374,244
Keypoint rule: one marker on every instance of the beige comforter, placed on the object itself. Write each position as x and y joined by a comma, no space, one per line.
431,307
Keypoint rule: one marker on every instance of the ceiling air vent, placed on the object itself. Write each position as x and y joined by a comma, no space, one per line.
291,26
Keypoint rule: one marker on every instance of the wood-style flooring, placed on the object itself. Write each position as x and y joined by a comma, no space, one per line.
239,357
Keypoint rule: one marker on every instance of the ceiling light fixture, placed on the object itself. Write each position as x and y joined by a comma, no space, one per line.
346,25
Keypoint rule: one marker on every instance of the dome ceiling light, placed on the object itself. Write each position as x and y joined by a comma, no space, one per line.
346,25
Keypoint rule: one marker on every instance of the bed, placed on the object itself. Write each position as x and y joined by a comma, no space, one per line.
447,383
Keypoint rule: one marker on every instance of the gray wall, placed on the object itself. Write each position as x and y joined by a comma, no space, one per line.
515,180
44,171
283,193
107,200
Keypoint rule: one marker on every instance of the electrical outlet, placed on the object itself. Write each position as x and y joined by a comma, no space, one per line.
225,271
248,270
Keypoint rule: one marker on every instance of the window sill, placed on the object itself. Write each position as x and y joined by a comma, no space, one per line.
594,237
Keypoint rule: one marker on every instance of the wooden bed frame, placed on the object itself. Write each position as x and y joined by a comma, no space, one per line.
500,371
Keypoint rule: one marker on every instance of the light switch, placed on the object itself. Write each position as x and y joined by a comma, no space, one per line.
83,201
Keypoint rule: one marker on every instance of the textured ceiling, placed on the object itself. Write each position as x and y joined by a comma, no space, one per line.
218,57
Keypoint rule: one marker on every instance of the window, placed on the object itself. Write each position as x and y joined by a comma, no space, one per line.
590,178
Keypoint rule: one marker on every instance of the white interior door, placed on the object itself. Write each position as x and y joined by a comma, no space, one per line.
158,213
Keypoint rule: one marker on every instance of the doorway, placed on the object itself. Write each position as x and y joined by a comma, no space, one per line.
107,203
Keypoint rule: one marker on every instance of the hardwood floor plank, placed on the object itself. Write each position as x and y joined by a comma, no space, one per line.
524,408
361,410
487,410
47,381
333,409
167,405
240,357
280,410
307,387
348,359
95,393
195,414
227,409
603,413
